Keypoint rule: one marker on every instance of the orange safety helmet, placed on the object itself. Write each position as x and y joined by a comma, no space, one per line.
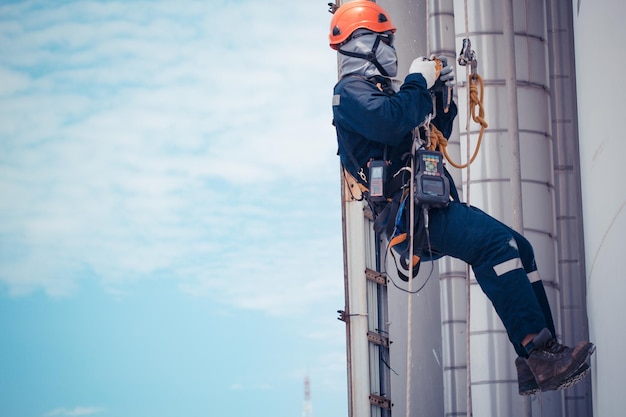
358,14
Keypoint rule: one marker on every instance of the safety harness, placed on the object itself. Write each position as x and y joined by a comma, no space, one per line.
386,209
427,166
391,214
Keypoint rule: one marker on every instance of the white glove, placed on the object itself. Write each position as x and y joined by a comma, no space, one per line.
425,67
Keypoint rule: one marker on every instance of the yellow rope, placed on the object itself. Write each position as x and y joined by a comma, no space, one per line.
476,102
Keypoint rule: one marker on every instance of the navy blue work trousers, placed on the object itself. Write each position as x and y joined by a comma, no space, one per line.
501,260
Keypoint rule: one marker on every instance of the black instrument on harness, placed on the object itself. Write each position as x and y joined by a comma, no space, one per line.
432,187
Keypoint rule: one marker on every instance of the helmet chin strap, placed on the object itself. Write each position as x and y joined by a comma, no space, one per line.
370,56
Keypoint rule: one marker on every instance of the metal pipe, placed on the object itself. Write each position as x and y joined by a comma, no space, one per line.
516,166
356,308
453,272
511,88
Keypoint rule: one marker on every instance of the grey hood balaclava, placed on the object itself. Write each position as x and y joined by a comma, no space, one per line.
362,43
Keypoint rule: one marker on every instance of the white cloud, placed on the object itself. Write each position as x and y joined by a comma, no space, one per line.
182,140
12,81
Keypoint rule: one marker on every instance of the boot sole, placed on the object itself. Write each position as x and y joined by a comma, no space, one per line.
564,380
574,378
578,376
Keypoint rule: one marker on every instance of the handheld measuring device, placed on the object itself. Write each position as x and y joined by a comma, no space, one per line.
432,186
377,177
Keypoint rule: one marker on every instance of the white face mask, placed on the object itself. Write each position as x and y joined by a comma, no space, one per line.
358,60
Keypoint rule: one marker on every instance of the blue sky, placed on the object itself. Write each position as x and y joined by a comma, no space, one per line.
170,223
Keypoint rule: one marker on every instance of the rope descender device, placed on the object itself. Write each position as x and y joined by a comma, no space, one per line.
466,57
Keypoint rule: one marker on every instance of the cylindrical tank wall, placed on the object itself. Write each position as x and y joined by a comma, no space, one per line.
571,272
599,36
452,272
494,379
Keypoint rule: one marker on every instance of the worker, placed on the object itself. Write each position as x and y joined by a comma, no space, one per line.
374,119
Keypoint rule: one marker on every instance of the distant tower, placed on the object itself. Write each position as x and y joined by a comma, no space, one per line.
307,409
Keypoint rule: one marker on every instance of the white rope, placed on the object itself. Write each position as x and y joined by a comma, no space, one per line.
467,200
409,321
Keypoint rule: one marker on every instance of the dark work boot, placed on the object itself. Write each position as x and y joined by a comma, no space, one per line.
554,364
526,380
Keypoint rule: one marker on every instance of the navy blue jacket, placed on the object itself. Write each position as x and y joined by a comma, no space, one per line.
368,115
